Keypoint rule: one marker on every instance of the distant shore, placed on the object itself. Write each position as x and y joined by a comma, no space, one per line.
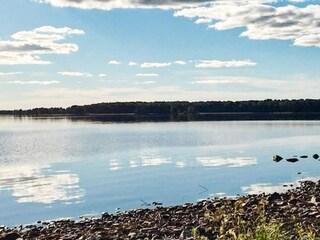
221,116
294,214
300,109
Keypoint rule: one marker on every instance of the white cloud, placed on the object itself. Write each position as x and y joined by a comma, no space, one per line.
102,75
25,47
76,74
222,64
114,62
144,82
114,4
147,75
16,58
63,30
132,64
9,73
217,81
33,82
261,21
248,81
203,20
180,62
200,64
155,64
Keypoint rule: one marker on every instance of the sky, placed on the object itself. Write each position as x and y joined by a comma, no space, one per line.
58,53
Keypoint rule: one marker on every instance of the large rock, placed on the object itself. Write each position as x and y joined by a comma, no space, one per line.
315,156
277,158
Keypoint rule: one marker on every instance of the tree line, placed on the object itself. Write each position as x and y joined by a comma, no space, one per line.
180,109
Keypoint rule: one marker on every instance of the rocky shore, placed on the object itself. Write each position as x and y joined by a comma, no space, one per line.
295,214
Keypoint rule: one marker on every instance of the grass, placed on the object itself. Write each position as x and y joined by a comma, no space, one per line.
267,231
230,222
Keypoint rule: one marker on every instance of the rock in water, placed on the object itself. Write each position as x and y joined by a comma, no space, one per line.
304,156
277,158
156,204
315,156
292,160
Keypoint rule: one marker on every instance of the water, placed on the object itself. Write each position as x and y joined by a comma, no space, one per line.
53,168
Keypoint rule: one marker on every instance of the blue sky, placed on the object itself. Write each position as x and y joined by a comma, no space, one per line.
64,52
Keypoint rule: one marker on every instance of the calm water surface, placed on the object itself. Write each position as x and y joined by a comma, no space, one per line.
53,168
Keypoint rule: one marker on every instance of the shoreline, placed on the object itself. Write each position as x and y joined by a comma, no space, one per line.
295,212
200,117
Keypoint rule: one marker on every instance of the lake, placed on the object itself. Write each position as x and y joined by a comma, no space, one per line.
54,168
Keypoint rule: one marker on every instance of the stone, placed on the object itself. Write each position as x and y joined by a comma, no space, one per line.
156,204
105,215
292,160
186,233
132,235
304,156
315,200
315,156
277,158
10,236
274,196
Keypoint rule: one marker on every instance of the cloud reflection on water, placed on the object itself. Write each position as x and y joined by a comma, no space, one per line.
229,162
180,164
114,165
154,161
271,188
143,161
39,184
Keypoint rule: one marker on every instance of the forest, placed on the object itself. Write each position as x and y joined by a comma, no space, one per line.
182,110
